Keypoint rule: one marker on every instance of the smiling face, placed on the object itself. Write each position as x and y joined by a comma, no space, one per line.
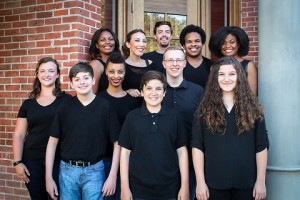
82,83
193,45
174,63
153,93
230,46
163,36
115,73
106,43
47,74
227,78
137,44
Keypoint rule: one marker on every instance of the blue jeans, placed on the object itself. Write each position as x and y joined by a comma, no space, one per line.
107,167
78,183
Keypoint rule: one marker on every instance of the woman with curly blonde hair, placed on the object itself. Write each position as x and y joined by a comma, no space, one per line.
229,137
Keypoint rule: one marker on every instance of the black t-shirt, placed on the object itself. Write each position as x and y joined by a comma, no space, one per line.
153,140
157,59
122,106
39,119
230,159
198,75
84,131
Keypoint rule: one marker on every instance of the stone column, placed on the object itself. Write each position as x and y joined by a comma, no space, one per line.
279,91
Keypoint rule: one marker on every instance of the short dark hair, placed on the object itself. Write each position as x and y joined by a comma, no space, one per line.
115,57
218,38
153,75
190,29
160,23
80,67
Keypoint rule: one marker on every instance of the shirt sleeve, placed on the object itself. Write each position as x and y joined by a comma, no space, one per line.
261,135
124,138
197,134
23,110
182,135
114,125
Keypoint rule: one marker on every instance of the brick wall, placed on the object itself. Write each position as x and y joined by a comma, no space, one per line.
30,30
250,25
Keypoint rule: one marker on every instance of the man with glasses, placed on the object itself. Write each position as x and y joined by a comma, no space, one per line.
183,96
197,69
162,34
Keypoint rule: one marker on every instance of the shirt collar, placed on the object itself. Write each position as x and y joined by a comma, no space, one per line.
183,84
145,111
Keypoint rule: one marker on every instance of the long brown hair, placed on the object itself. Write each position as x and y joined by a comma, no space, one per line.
211,109
37,84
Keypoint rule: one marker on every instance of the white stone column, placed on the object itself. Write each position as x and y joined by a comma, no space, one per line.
279,91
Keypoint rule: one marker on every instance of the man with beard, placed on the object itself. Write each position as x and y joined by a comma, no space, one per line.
162,34
192,38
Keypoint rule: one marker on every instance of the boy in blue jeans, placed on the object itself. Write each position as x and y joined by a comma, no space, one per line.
83,126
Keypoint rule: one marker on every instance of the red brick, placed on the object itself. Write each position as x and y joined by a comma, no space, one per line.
60,13
53,50
44,29
19,24
27,45
63,27
12,46
28,31
5,25
35,51
19,38
12,4
20,10
19,52
60,42
12,18
56,5
44,43
52,35
37,8
29,16
4,12
12,32
38,22
44,14
53,21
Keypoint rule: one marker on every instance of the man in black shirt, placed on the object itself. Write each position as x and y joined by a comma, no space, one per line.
163,35
182,95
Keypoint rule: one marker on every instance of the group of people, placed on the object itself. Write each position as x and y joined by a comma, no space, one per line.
168,124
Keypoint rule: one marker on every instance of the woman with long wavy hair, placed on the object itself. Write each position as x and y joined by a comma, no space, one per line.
229,137
31,131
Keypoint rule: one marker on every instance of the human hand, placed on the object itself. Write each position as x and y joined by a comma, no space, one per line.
134,92
259,190
202,192
109,187
22,172
183,194
51,188
126,194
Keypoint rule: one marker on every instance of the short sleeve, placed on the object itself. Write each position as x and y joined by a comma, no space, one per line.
261,135
124,138
197,135
23,110
114,125
182,139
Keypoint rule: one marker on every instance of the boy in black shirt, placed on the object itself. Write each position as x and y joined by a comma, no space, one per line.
154,159
83,125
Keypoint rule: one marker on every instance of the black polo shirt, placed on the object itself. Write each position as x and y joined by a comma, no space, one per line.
84,131
185,99
230,159
153,139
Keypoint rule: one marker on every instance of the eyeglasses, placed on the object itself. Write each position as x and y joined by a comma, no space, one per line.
178,61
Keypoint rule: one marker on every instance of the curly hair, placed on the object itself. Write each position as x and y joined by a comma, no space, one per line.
35,93
218,38
211,109
94,51
125,49
190,29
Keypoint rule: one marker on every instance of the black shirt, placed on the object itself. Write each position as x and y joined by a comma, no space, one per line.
153,140
198,75
39,119
84,131
185,99
157,59
103,83
122,106
230,159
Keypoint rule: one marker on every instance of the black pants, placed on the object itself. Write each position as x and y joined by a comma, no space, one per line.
231,194
37,185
